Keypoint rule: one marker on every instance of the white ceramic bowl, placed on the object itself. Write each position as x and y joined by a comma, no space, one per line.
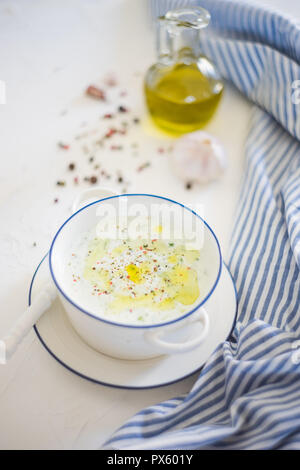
132,341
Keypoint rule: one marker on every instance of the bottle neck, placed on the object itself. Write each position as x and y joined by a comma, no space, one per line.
177,44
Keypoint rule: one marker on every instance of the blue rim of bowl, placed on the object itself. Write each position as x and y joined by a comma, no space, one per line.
106,384
128,325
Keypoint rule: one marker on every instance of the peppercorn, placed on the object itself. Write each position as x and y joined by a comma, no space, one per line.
63,146
96,92
93,179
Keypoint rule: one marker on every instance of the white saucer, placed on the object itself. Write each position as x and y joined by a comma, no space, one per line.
62,342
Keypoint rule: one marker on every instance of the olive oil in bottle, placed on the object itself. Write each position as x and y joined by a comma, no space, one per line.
183,88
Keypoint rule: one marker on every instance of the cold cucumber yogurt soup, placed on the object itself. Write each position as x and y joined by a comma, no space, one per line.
135,280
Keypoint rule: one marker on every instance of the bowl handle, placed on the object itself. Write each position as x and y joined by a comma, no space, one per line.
153,337
90,195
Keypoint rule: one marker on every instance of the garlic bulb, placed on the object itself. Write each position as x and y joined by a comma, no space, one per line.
198,157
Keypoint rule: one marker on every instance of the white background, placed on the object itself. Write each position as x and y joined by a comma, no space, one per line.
50,51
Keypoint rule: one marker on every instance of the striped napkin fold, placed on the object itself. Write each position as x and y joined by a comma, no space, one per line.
248,394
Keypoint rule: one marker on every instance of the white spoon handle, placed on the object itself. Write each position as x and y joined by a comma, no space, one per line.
43,300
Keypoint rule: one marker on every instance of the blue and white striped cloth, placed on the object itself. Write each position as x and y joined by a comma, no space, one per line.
248,394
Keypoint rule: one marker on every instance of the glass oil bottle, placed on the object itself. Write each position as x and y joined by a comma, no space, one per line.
183,88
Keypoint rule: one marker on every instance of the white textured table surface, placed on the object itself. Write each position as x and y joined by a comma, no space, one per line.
49,53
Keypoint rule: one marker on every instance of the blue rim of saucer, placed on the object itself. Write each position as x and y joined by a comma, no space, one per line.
106,384
128,325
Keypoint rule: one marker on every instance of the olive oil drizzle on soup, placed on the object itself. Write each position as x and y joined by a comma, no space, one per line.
140,281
